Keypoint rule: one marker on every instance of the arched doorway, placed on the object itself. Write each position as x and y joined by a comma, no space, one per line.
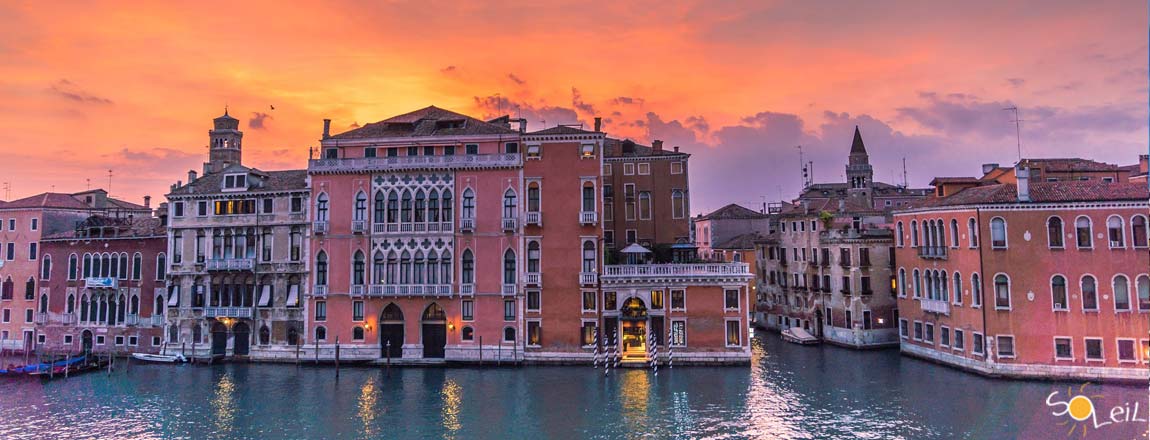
242,334
86,341
219,339
391,332
434,331
633,334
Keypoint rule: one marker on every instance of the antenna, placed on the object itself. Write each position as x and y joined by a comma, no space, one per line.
109,182
803,166
904,183
87,184
811,177
1017,129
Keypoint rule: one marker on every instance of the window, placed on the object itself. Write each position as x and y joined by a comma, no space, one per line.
357,311
468,267
957,288
678,300
1094,349
953,233
161,267
1143,293
509,310
1082,233
588,301
533,300
321,310
471,149
321,333
979,347
1058,293
1054,233
1089,293
587,334
1005,346
944,336
534,334
929,336
679,333
32,254
1138,231
899,234
202,208
644,169
508,334
901,284
914,233
959,339
1126,351
917,330
676,167
609,301
903,331
998,233
589,256
509,267
657,299
467,309
296,204
533,197
511,148
1121,293
734,334
35,224
46,268
468,333
1115,231
975,290
177,210
917,284
1001,292
972,232
731,299
321,269
628,169
588,197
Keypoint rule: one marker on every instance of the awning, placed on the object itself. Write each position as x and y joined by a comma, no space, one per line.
265,296
635,248
174,296
293,295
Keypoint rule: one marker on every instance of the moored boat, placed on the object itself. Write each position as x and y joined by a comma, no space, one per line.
796,335
160,358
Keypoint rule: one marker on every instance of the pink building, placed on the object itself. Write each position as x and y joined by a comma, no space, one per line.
1034,279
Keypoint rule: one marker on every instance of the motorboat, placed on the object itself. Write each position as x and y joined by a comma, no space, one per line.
160,358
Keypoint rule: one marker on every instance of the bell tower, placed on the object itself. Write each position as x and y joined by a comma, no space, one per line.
860,175
225,142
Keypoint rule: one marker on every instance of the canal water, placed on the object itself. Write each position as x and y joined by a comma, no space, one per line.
789,391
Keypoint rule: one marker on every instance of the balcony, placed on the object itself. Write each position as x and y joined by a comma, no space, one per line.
534,219
587,217
508,290
319,227
845,263
40,318
392,290
357,291
509,224
228,312
230,264
467,290
157,321
375,290
98,283
467,225
935,306
358,226
932,252
401,163
133,320
319,291
588,278
533,279
845,292
864,264
675,269
866,292
67,318
379,228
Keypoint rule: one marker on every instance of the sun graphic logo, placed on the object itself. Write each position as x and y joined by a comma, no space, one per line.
1083,411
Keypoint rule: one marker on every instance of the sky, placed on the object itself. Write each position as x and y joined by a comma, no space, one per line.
132,87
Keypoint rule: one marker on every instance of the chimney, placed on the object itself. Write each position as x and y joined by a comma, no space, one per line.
657,145
147,201
676,148
522,125
191,176
598,124
326,128
1023,177
988,167
1144,163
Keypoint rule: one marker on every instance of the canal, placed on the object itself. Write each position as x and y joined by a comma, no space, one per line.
788,392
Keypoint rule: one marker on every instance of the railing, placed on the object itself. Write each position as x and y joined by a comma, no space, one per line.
588,278
413,162
846,292
40,318
378,228
675,269
228,312
534,218
417,290
935,306
358,226
157,321
533,278
96,283
467,290
587,217
319,291
320,227
466,225
357,290
508,290
845,262
509,224
866,292
932,252
133,320
230,264
67,318
864,263
375,290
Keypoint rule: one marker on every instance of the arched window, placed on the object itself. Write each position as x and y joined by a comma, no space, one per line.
30,289
1089,293
1054,232
1058,293
914,233
899,232
1138,231
468,334
357,269
321,269
902,282
161,266
357,333
957,288
975,290
1116,232
509,203
972,232
1001,291
678,204
123,275
134,306
70,306
589,197
321,333
418,268
158,307
378,268
533,197
433,207
446,206
445,267
468,267
405,268
84,308
533,254
46,267
1121,293
321,207
265,335
420,207
87,265
953,233
432,268
111,266
393,207
392,268
43,304
137,266
917,284
508,334
1143,293
405,207
360,213
644,205
73,266
468,203
379,209
509,267
1082,232
998,233
589,263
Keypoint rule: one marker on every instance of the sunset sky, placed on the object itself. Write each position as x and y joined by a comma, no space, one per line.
94,85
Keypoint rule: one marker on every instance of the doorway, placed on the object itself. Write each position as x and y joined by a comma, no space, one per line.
219,339
434,331
243,337
391,332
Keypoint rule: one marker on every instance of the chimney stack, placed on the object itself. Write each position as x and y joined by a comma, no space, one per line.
522,125
988,167
191,176
326,128
676,148
598,124
1144,163
1023,176
657,145
147,201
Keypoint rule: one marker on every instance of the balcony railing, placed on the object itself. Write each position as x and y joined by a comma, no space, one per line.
932,252
845,292
40,318
467,225
133,320
97,283
865,264
358,226
359,164
392,290
509,224
230,264
533,218
866,292
588,278
379,228
67,318
320,227
508,290
935,306
533,278
783,262
845,263
467,290
587,217
319,291
357,290
632,270
157,321
375,290
228,312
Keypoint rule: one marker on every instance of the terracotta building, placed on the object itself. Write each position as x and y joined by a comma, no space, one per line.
1042,279
102,286
442,237
724,224
646,194
23,223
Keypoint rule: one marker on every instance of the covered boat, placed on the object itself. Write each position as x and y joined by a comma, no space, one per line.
799,336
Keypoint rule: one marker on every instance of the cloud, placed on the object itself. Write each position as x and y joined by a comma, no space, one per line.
70,91
258,120
579,104
1015,82
516,79
448,70
538,116
627,100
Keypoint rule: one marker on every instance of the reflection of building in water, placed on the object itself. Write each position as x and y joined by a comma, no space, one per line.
224,404
452,399
368,398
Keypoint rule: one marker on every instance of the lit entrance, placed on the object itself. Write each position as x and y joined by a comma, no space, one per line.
633,331
391,332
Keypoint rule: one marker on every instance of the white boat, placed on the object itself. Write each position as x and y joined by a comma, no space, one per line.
799,336
161,358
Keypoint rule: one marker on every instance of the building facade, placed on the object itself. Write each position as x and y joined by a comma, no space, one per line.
646,195
724,224
237,255
1028,279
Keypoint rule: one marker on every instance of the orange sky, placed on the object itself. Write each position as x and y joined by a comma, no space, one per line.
132,87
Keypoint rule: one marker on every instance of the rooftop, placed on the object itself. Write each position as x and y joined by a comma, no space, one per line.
1043,192
733,212
740,242
285,180
628,148
67,201
425,122
123,227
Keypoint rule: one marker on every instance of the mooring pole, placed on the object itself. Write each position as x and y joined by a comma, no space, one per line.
388,358
337,357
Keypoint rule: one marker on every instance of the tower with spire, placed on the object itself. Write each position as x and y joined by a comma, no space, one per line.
860,175
225,144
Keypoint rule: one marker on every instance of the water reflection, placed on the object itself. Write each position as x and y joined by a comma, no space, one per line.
635,395
224,404
367,401
452,395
